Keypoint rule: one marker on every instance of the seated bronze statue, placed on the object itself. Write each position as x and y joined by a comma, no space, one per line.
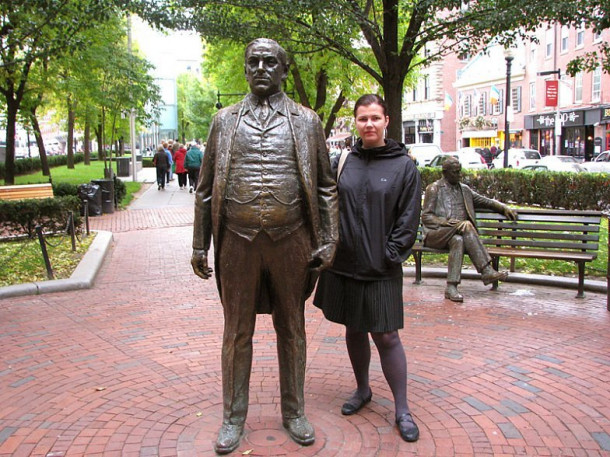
448,219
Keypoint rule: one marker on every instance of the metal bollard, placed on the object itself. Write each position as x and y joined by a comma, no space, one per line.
86,203
71,229
45,254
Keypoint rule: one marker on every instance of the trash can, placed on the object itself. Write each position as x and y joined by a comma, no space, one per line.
122,164
107,186
92,194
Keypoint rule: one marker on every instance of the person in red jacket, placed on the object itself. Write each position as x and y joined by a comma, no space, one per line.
179,156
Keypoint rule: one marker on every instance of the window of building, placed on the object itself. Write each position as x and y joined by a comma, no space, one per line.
580,36
483,103
532,96
467,110
548,41
515,99
427,87
533,53
415,94
564,39
578,88
498,108
597,37
596,85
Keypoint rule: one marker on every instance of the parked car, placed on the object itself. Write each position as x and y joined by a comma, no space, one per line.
601,164
517,158
468,159
561,163
423,153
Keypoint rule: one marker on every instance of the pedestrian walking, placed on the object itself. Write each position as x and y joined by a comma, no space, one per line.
161,163
192,163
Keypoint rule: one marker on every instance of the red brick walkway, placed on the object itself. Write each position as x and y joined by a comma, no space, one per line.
132,366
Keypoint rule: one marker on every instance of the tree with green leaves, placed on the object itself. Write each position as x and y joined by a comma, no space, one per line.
31,30
388,39
318,79
196,105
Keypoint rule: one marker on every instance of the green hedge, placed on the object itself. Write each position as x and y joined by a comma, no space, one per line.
548,189
20,217
32,165
63,188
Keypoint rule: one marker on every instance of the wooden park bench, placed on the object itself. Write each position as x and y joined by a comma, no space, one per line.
549,234
26,191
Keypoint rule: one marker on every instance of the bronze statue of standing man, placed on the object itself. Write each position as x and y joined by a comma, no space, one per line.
267,198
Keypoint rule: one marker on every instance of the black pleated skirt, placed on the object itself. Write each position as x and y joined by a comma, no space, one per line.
366,306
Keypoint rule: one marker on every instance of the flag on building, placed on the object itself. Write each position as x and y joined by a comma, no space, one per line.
448,102
494,95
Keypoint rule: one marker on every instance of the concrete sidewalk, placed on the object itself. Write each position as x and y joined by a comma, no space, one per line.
131,366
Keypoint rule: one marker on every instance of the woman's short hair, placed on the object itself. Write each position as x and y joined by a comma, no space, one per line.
370,99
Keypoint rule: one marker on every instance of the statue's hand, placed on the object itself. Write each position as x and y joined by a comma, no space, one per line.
450,222
322,257
199,261
510,214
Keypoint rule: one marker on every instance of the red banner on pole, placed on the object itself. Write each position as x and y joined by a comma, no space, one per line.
551,92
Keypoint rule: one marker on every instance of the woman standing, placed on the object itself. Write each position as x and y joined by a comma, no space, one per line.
161,162
179,157
379,208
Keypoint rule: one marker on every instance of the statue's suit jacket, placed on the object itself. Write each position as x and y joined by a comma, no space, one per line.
438,201
316,179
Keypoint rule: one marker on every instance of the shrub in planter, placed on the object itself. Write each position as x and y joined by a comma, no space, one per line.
20,217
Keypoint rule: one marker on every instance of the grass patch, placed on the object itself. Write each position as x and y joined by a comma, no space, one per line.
22,261
80,174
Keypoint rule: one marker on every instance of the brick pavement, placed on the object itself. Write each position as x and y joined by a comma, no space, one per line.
131,367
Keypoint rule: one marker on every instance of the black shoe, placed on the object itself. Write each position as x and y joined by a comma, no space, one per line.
229,438
407,428
355,404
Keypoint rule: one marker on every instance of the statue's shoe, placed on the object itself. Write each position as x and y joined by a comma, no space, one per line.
453,294
493,276
229,438
300,430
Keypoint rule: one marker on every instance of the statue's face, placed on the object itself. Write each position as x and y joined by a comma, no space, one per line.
264,70
452,174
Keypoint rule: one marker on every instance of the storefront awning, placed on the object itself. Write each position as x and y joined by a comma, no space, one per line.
479,134
338,137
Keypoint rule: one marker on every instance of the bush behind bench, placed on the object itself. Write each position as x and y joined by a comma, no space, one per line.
547,189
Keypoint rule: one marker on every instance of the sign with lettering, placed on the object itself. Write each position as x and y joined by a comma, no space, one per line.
568,119
606,113
551,92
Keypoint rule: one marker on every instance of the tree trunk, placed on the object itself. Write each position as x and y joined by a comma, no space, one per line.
42,152
333,114
71,117
392,90
87,147
11,120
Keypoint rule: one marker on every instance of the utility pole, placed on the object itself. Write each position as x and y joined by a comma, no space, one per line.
132,119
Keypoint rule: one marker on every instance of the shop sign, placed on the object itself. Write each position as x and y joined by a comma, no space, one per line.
551,92
568,119
606,114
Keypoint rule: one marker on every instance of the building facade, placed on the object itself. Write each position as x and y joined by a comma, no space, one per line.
570,116
459,103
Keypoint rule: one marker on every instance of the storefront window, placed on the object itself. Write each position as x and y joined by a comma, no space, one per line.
574,142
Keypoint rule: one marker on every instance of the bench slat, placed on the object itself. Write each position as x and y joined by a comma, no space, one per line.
21,192
539,235
541,244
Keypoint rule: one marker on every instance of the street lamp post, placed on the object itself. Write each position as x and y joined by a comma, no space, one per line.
508,55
